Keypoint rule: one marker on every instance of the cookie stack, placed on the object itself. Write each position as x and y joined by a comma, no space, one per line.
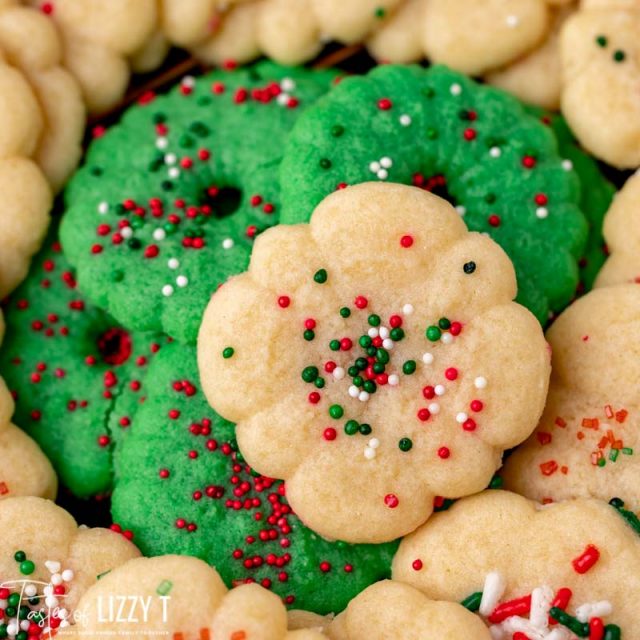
287,326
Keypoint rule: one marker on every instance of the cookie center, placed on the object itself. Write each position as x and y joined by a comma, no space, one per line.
224,202
115,346
436,184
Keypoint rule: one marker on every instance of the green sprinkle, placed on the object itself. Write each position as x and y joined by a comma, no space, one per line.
409,367
365,429
428,92
361,364
19,556
23,612
164,587
336,411
345,312
380,12
629,516
228,352
3,631
309,374
337,130
573,624
601,41
325,163
444,323
396,334
319,382
351,427
628,451
14,599
371,351
432,134
374,320
358,381
613,455
369,386
353,371
159,118
27,567
602,462
134,243
472,602
320,276
309,335
96,171
378,367
612,632
382,355
334,345
11,611
433,333
364,341
490,198
619,55
103,574
496,482
405,444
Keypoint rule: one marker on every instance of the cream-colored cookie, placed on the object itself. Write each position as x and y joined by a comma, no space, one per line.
393,610
456,372
399,38
182,597
477,37
151,55
600,53
515,561
537,77
622,234
44,553
587,439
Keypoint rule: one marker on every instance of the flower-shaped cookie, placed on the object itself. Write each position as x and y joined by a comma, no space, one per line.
601,56
47,562
587,441
622,234
185,598
393,610
374,360
561,572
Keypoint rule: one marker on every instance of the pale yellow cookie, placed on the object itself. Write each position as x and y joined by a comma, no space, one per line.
393,610
44,553
579,555
151,55
622,234
587,439
477,37
183,597
600,53
388,272
536,78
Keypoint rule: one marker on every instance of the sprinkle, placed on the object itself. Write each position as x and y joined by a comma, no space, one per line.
480,382
391,500
164,587
369,453
461,417
182,281
444,453
446,338
455,89
405,120
103,208
586,560
600,609
495,152
173,263
407,309
167,290
462,210
494,587
386,162
513,21
434,408
427,358
542,212
227,243
159,234
567,165
394,380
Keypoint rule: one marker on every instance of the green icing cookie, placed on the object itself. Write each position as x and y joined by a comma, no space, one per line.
75,374
181,487
595,196
472,144
169,200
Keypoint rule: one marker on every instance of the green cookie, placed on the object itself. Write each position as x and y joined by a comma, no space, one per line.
182,487
75,374
169,201
472,144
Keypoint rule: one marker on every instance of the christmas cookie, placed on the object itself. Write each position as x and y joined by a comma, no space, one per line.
170,200
600,56
471,144
182,487
62,114
374,360
393,610
184,598
24,470
98,36
75,374
586,441
565,571
622,232
47,562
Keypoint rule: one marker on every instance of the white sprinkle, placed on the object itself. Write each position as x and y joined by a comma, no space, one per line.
373,332
455,89
126,232
53,567
62,614
25,624
384,332
374,443
590,610
494,586
434,408
369,453
65,623
393,380
363,396
541,598
167,290
427,358
386,162
338,373
495,152
461,209
12,629
56,579
480,382
407,310
174,172
103,208
446,338
162,143
188,81
439,389
374,167
170,158
159,234
542,212
567,165
287,84
405,120
513,21
30,590
388,344
227,243
182,281
51,602
557,634
173,263
4,604
283,98
354,392
67,575
48,590
461,417
383,174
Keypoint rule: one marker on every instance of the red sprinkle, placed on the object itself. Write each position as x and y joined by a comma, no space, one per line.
417,564
596,629
406,241
384,104
451,373
517,607
329,433
391,500
361,302
444,452
586,560
284,301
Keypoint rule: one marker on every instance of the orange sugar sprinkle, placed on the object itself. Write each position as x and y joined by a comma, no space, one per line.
621,415
4,489
543,437
608,411
549,468
617,444
559,422
604,441
595,456
590,423
178,635
238,635
205,634
580,435
564,469
547,500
